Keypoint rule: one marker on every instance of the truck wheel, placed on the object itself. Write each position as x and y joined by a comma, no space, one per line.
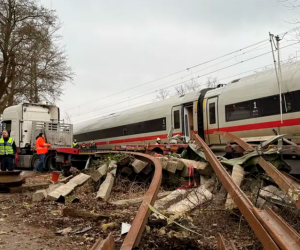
49,163
34,161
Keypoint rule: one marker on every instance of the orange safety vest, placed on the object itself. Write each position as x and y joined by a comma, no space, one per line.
41,146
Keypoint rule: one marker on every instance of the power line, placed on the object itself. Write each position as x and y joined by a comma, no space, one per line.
254,49
104,97
139,104
167,87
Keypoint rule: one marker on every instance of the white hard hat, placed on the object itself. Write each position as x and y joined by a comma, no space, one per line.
158,139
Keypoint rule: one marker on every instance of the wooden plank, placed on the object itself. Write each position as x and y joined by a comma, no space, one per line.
83,214
107,244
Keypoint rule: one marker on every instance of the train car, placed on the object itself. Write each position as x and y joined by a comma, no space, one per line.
250,107
142,125
247,107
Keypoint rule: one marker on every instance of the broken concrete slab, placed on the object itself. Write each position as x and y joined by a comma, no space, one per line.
42,194
174,197
163,161
105,188
99,173
237,176
39,195
124,161
138,165
180,164
68,187
274,195
137,201
172,166
194,199
112,168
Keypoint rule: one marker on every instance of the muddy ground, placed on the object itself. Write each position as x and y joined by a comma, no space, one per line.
28,225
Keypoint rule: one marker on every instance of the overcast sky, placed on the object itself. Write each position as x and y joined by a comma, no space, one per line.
116,45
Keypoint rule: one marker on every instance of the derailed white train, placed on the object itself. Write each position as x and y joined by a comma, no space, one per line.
247,107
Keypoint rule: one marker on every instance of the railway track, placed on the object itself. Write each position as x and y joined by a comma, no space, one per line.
271,230
138,225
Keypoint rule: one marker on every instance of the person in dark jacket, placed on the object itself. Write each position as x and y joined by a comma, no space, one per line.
8,150
83,146
93,145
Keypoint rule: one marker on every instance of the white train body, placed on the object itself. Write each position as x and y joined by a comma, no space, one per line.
247,107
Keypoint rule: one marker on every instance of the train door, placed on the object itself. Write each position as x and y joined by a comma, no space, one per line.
188,122
176,124
212,120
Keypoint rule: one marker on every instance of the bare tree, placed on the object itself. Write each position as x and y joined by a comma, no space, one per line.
32,66
180,90
67,117
162,94
212,82
193,85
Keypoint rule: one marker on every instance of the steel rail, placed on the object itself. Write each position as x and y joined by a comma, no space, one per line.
285,236
238,196
285,184
138,225
239,141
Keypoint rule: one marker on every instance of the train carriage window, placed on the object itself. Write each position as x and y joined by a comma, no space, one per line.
296,101
238,111
212,113
176,119
270,106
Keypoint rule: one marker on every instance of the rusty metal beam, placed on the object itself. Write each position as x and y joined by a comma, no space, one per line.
287,186
291,179
240,199
291,190
107,244
138,225
232,137
285,236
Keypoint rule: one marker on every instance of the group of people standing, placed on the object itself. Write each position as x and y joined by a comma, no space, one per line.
83,146
8,151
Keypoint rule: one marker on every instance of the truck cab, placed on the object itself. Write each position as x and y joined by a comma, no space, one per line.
26,120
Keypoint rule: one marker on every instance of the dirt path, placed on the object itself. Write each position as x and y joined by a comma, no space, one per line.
16,233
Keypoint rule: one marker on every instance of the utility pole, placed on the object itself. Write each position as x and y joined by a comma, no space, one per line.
275,66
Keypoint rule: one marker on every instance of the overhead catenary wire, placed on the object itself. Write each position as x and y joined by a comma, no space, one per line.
161,78
234,52
182,82
139,104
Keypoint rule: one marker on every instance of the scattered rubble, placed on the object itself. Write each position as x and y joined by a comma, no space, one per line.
109,190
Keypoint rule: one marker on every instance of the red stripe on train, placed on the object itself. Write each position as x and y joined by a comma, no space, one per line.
144,138
261,125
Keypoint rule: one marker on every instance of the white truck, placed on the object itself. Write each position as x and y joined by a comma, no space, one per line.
25,121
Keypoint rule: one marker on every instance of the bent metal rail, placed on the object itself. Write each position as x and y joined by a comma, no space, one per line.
271,230
138,225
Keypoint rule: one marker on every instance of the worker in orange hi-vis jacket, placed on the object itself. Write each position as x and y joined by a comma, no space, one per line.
42,150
